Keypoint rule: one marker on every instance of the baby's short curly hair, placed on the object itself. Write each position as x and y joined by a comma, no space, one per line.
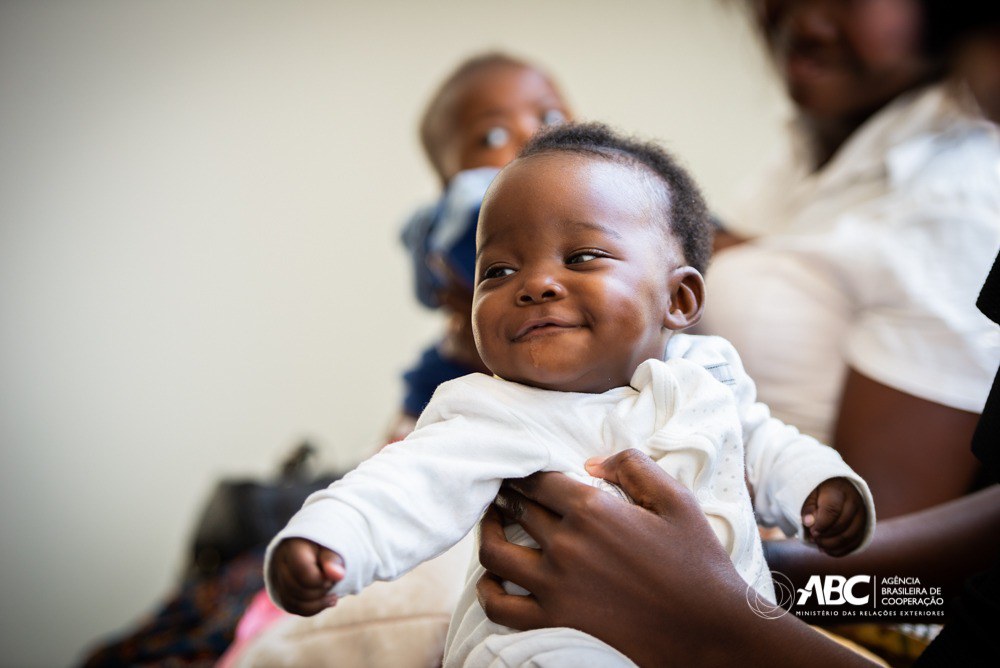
686,215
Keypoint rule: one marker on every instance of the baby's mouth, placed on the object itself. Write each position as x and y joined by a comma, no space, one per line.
541,327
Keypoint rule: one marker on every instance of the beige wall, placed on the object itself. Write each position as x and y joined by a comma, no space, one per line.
199,205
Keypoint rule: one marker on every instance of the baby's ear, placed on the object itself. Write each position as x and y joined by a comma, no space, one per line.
687,298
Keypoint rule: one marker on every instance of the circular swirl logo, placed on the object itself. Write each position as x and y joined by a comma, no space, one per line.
784,592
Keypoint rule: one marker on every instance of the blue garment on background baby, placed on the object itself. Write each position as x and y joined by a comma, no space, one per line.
438,235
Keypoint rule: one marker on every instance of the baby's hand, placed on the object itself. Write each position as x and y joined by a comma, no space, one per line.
302,574
834,516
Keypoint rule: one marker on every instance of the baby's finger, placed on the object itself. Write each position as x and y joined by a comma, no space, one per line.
310,607
290,587
300,558
837,545
331,565
848,514
809,510
829,504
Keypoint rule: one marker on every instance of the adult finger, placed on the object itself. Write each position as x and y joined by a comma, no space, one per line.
649,485
519,612
555,491
536,520
506,560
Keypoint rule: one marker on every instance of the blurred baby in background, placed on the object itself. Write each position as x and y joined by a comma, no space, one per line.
475,123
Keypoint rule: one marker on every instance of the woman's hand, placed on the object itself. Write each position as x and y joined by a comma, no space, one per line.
651,579
623,573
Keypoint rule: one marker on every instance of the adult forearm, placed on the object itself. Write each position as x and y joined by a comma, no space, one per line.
913,453
786,641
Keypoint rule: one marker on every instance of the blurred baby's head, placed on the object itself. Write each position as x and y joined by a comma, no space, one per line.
589,252
485,111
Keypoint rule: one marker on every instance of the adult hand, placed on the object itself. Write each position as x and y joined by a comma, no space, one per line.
623,573
651,579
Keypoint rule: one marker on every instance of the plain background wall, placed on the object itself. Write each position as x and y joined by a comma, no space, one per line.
199,265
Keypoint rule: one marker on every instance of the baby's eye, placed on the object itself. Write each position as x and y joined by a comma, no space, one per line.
582,256
553,117
496,137
497,272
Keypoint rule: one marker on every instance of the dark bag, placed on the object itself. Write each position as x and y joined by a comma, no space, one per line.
245,514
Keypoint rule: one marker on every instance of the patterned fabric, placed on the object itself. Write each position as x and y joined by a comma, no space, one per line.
195,626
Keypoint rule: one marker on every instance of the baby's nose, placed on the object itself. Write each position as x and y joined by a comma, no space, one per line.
540,288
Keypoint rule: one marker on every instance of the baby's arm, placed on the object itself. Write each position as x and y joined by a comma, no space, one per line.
302,573
786,468
418,497
834,517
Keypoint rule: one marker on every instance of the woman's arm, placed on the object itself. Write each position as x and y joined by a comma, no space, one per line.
913,453
649,579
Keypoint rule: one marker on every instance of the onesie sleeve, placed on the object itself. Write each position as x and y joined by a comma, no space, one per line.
784,465
418,497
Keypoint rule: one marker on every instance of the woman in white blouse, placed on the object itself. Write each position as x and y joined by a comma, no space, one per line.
850,291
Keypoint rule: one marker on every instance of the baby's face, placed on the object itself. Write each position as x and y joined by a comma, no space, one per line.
496,111
572,274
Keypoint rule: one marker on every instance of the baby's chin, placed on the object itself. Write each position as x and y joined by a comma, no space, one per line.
558,381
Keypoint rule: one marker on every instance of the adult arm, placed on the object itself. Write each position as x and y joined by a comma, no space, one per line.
650,579
913,453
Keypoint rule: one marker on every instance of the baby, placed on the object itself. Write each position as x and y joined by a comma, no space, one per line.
590,251
475,123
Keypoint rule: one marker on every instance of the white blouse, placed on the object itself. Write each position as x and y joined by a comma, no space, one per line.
874,262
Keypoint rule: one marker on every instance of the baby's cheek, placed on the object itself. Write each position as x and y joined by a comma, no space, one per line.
487,351
483,325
